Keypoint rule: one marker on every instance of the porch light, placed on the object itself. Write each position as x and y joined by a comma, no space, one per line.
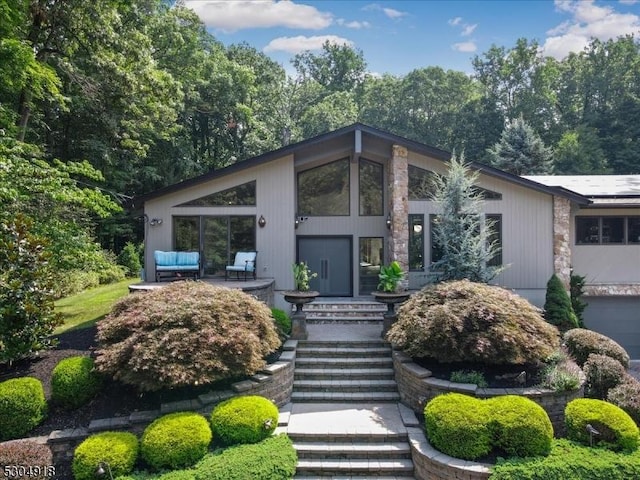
155,221
297,221
262,221
101,470
389,221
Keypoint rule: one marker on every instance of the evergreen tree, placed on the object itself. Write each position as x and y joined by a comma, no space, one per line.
460,232
557,306
520,151
576,288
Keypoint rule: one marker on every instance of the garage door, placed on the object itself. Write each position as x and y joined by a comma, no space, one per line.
618,318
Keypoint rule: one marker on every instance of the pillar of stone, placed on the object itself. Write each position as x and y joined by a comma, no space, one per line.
562,239
399,207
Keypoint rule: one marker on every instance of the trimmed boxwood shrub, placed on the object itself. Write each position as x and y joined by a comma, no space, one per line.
176,440
458,425
627,397
248,419
616,428
581,343
272,459
461,321
22,406
187,333
118,449
74,381
26,453
569,460
602,374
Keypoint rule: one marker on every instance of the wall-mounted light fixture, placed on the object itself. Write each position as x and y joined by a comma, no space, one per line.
296,222
389,221
262,221
155,221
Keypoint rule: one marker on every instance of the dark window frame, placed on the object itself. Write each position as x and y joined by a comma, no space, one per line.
204,201
416,239
360,191
300,211
600,233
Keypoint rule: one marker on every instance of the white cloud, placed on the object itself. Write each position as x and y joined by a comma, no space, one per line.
454,21
465,46
468,29
628,2
353,24
389,12
587,21
301,43
230,16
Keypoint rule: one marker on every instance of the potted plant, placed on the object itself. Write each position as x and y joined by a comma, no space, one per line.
389,291
298,297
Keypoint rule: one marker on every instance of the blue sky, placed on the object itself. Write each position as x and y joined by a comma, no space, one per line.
399,36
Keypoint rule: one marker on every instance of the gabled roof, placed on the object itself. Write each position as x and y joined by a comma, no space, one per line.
602,190
411,145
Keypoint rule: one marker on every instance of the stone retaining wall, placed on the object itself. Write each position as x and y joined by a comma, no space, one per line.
417,387
275,382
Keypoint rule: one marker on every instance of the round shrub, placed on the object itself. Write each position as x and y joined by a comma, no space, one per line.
74,381
187,333
22,406
26,453
472,322
178,475
457,425
627,397
616,428
602,374
248,419
283,322
118,449
176,440
581,343
520,426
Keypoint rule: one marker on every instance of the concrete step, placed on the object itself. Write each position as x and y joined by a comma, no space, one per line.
335,450
347,352
334,363
342,373
342,467
342,320
350,305
343,343
344,397
345,385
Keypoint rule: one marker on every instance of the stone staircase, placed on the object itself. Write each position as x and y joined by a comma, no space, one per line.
356,377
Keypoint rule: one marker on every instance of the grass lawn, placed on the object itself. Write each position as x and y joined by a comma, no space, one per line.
83,309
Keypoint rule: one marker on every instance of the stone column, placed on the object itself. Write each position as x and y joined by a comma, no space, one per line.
562,239
399,207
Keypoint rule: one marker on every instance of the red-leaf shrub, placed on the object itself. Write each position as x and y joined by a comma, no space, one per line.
581,343
36,458
187,333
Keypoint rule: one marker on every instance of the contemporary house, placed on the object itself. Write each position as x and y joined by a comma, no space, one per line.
355,198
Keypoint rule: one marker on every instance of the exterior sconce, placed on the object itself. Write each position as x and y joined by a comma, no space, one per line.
389,221
297,222
155,221
261,221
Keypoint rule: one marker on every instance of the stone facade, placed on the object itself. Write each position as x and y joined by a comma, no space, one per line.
399,206
609,290
562,239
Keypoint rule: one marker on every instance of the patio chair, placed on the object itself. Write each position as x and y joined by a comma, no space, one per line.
244,262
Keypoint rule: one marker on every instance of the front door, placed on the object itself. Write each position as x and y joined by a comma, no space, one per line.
331,259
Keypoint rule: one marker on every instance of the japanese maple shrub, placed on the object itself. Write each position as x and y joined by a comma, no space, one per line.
187,333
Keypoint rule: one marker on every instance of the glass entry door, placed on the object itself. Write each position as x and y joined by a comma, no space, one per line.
371,255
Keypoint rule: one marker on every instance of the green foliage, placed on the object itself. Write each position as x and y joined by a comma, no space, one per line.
465,321
576,290
283,322
627,396
187,333
74,381
617,430
467,247
602,374
570,461
130,257
471,376
22,406
301,276
390,277
27,453
26,299
557,306
272,459
176,440
578,152
561,374
581,343
117,449
248,419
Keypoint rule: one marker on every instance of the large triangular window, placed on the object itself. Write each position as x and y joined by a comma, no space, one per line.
240,195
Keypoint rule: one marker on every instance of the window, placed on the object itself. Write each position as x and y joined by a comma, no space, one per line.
416,242
217,238
244,194
436,250
487,194
324,190
420,183
371,188
371,255
607,230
